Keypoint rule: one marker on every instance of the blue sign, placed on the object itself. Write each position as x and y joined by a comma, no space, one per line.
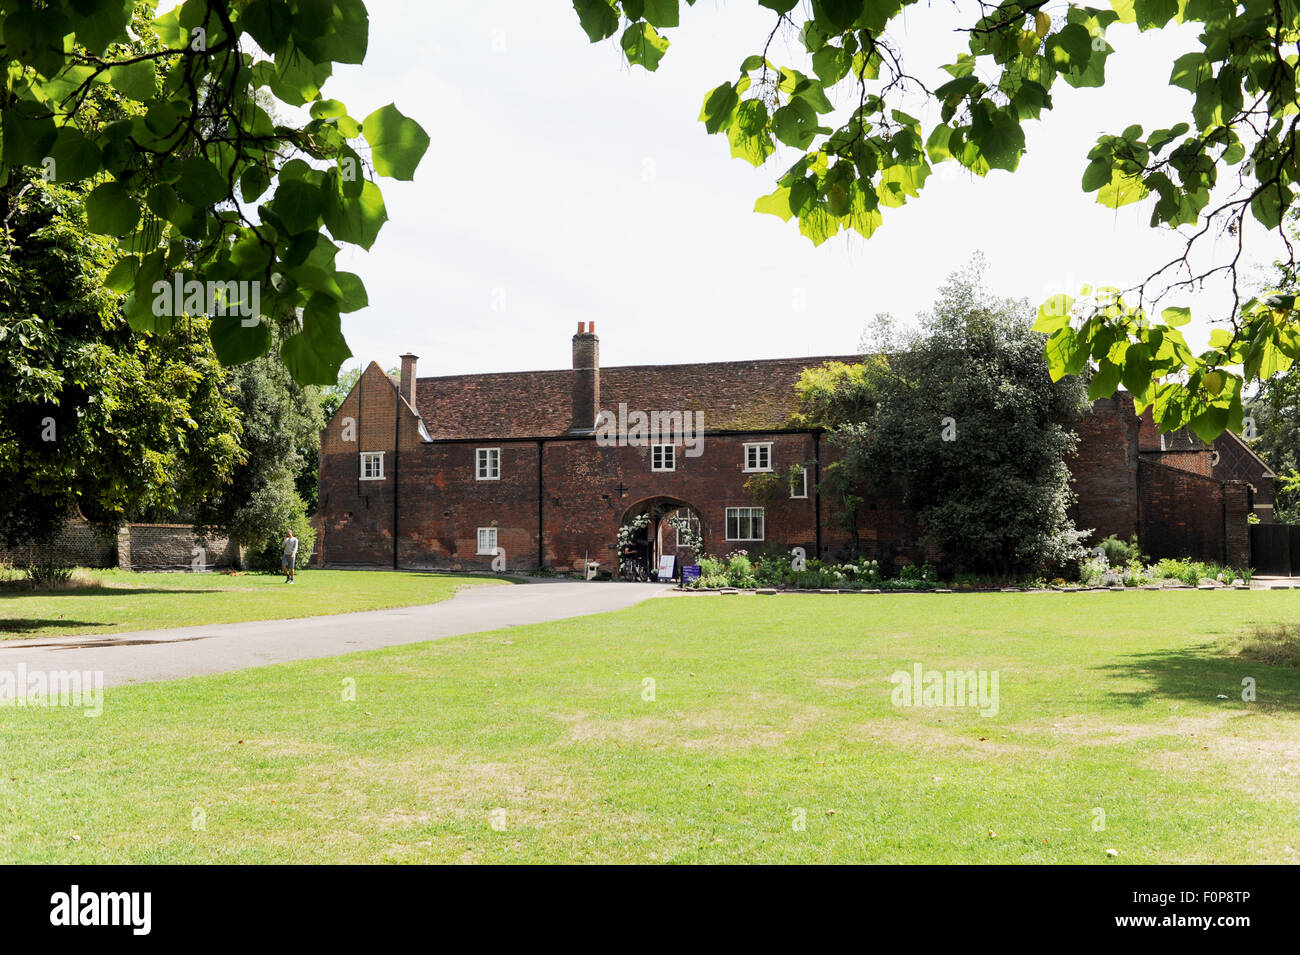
690,572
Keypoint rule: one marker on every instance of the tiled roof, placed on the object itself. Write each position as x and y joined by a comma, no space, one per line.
733,395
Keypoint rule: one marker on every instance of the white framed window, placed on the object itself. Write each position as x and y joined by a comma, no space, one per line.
744,523
799,484
372,465
488,464
663,457
758,457
487,541
693,525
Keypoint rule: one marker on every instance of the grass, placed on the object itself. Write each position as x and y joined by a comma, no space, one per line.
1278,644
112,601
544,743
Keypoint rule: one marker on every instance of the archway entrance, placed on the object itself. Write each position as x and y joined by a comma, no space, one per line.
655,528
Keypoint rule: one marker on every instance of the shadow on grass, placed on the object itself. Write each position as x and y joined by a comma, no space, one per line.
104,591
1202,674
15,628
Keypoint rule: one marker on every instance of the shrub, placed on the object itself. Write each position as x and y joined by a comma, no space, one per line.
711,567
1092,571
268,557
739,566
46,572
772,573
1118,553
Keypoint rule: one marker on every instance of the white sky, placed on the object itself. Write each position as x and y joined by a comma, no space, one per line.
562,186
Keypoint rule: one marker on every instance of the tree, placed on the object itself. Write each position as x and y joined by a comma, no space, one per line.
1240,135
280,432
93,415
962,417
205,192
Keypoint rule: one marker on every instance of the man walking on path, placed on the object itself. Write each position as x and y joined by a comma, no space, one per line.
290,555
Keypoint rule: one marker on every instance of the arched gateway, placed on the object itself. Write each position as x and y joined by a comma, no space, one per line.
656,527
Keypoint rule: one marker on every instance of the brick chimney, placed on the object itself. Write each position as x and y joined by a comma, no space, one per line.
586,379
408,377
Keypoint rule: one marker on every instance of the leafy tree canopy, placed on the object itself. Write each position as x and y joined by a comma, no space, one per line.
92,415
1232,157
962,416
280,433
192,169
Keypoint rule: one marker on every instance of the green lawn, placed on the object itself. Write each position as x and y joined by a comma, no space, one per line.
536,744
135,601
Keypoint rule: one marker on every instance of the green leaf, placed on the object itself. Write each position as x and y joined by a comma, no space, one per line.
998,137
1104,380
749,136
643,45
1176,315
777,204
936,147
1126,10
354,292
111,209
253,183
397,143
1153,13
599,19
99,23
315,354
35,37
1190,71
1137,369
662,13
795,124
200,183
1096,175
831,64
1270,203
1121,190
1070,49
356,221
135,80
75,157
235,342
29,133
720,108
1054,314
300,205
838,15
1210,423
1064,350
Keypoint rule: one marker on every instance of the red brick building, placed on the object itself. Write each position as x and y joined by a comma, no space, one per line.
526,468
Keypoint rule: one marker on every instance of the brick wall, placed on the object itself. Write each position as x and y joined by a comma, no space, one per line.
172,547
78,544
1238,503
135,547
1197,462
1105,469
1182,513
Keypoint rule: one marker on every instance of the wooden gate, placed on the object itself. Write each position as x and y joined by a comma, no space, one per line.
1275,549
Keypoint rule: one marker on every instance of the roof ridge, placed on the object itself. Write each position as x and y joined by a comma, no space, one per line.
681,364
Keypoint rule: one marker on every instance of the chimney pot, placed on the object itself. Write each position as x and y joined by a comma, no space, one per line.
582,327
